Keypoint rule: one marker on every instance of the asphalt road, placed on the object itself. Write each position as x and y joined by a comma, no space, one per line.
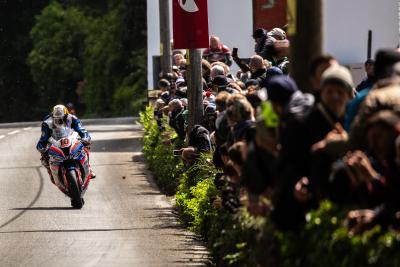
126,221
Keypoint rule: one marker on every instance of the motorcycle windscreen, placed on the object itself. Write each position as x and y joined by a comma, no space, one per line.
60,132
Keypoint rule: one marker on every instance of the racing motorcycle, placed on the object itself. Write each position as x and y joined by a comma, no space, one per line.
69,165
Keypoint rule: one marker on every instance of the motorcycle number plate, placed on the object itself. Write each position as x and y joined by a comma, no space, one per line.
64,142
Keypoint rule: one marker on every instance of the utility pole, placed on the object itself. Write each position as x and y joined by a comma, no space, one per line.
195,87
305,17
165,37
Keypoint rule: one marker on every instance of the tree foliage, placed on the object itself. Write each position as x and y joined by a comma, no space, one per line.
56,59
17,98
50,48
115,59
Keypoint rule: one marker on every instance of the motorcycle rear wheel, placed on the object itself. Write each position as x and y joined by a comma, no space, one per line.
74,191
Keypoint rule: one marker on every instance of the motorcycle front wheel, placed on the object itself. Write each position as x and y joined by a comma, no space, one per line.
74,191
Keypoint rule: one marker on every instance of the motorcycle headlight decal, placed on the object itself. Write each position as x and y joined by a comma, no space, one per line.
76,150
56,154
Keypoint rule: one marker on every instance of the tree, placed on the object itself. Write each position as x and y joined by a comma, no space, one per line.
114,59
56,59
17,98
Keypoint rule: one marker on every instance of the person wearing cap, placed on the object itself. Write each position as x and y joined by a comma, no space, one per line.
219,84
385,94
270,72
327,115
317,66
264,44
277,33
291,106
336,92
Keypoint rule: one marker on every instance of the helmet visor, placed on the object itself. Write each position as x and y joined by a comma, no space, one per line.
58,121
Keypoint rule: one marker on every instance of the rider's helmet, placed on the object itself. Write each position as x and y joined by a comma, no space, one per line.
59,113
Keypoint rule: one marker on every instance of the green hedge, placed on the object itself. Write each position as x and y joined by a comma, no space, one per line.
242,240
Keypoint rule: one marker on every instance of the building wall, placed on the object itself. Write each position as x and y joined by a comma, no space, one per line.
153,38
346,25
269,14
234,30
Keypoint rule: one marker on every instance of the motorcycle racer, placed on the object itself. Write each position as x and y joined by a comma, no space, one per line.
52,125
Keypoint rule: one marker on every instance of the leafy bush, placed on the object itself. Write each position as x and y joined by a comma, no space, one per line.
167,168
326,242
195,193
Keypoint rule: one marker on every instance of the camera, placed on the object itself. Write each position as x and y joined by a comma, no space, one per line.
177,153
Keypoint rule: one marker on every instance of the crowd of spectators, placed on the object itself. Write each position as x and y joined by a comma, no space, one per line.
282,149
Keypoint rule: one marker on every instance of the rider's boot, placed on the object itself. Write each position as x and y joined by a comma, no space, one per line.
92,174
45,162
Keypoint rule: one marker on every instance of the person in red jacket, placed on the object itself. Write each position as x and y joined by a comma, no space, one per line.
217,52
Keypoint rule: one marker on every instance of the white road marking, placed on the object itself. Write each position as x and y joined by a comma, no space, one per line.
27,128
13,132
2,136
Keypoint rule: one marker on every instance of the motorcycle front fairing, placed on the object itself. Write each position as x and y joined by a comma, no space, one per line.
68,154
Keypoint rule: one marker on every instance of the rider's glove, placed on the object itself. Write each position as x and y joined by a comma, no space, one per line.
86,141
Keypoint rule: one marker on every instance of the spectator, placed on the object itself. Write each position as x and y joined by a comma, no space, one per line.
257,68
381,178
164,85
222,129
369,80
199,142
318,65
217,52
327,115
264,44
292,107
240,118
178,59
270,72
220,83
217,71
384,73
278,34
176,120
336,91
206,71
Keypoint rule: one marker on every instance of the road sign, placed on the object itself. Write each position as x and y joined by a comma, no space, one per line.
190,23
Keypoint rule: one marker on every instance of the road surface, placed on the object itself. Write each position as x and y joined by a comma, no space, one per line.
126,221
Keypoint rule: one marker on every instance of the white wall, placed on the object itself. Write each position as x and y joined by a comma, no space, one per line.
153,37
231,20
346,25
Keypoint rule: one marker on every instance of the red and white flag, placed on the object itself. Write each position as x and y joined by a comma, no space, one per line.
190,23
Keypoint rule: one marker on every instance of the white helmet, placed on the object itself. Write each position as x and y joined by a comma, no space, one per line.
59,112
